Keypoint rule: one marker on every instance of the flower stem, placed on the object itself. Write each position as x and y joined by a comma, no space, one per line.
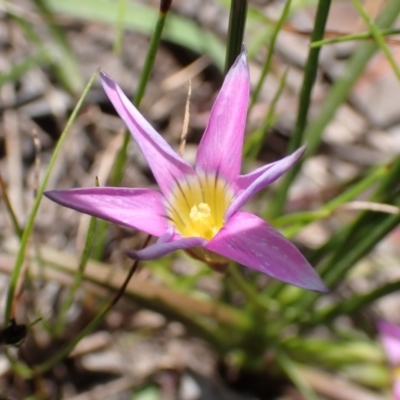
246,289
237,24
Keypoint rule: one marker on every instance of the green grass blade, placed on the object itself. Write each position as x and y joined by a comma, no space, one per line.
237,24
335,98
18,69
31,219
378,36
353,37
310,73
143,18
254,142
267,64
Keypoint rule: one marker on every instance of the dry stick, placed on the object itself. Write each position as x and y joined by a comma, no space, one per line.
9,207
18,230
185,126
132,270
38,147
368,205
36,182
45,366
24,271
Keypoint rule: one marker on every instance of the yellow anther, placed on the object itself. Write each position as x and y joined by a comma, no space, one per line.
200,213
197,206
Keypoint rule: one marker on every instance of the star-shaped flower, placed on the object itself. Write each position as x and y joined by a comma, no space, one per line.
198,209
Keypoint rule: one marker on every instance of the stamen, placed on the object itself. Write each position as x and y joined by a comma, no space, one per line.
198,205
200,213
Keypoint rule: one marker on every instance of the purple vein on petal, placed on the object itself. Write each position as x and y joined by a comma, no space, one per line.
250,241
221,146
166,165
248,185
141,209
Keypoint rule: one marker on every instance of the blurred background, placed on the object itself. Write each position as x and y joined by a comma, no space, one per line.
181,330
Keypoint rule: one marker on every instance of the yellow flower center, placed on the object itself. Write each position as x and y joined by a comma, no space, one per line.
197,205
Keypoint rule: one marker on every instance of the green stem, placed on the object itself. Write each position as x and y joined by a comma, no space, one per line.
310,73
246,288
237,24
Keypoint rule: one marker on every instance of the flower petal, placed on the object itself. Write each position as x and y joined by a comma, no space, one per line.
396,388
220,149
248,185
141,209
390,337
161,248
250,241
166,165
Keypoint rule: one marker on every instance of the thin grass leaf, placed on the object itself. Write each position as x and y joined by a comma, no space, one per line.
271,48
31,219
380,40
36,40
354,37
120,24
291,369
347,254
19,69
299,220
297,138
337,95
254,142
354,304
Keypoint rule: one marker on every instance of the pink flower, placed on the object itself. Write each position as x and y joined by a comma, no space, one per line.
198,209
390,338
